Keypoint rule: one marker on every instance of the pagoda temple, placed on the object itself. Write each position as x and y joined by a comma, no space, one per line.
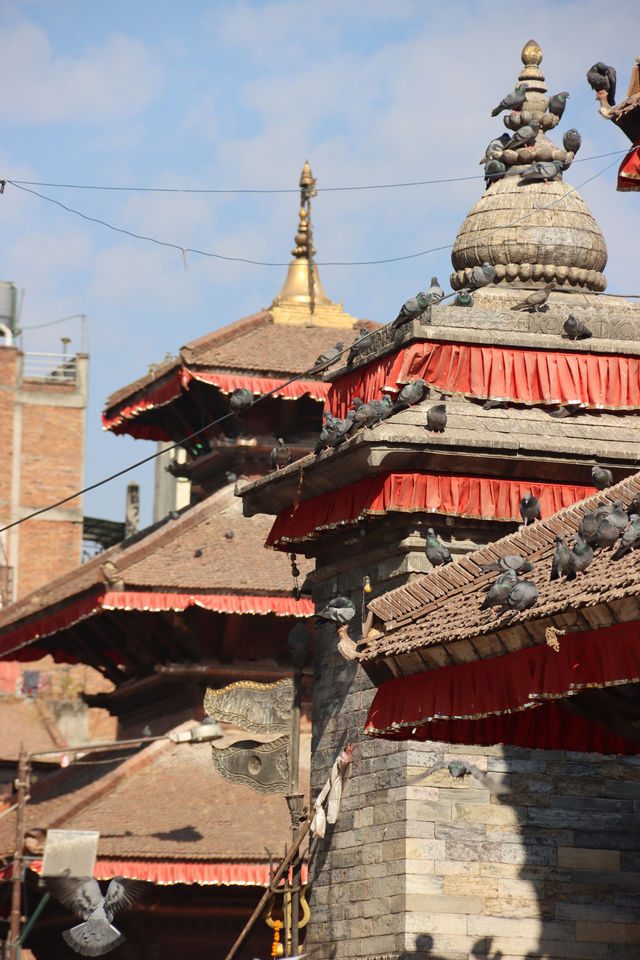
491,810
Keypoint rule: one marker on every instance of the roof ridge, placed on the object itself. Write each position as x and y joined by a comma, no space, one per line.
239,328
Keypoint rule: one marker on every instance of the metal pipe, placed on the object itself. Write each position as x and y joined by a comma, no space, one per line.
16,872
33,918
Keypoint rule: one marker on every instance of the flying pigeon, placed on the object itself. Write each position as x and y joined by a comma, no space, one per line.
495,146
512,561
482,275
576,329
463,298
328,357
535,300
437,418
524,136
607,534
359,346
458,769
436,551
512,101
96,935
541,171
560,561
240,399
601,477
522,596
411,309
435,293
530,508
558,102
602,77
500,589
580,557
411,394
280,455
630,538
340,610
572,140
493,170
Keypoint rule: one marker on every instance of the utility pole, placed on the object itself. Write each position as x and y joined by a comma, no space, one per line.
22,786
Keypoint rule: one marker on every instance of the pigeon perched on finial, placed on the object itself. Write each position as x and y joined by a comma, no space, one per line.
435,293
495,147
557,103
328,357
630,538
437,553
500,589
359,346
280,455
437,418
482,275
560,561
522,596
601,477
411,309
535,300
463,298
339,610
530,508
97,934
541,170
572,140
493,170
513,101
523,137
576,329
603,77
240,399
580,557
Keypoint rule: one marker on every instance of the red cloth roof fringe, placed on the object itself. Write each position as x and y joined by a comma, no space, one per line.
166,872
12,644
523,376
480,497
512,699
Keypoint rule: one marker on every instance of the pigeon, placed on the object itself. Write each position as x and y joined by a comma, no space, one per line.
435,293
458,769
513,101
500,589
601,477
512,561
493,170
522,596
383,409
535,300
495,146
482,275
341,430
618,516
560,561
463,298
630,538
411,394
572,140
329,357
607,534
558,102
437,418
530,508
339,610
328,431
588,528
602,77
359,346
634,506
540,171
96,935
366,416
576,329
580,557
280,455
240,399
230,476
411,309
437,553
524,136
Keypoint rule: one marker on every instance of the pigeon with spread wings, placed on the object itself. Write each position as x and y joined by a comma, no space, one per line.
96,935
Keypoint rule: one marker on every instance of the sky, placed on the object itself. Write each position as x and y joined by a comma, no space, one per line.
236,95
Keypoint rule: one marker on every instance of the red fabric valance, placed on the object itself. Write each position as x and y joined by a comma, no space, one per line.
227,383
629,170
479,497
511,699
154,398
166,872
523,376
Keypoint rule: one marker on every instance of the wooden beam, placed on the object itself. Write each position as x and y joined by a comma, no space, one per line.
105,666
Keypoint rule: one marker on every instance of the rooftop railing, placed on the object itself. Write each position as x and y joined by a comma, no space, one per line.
51,367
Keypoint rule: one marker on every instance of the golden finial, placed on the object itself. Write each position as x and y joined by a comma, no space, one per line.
531,54
303,238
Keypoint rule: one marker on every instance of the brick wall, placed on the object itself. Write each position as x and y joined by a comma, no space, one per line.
441,868
52,453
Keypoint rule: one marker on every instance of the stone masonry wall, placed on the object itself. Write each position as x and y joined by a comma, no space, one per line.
444,869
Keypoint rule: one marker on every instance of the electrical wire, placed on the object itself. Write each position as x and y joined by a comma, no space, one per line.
51,323
274,190
323,263
264,396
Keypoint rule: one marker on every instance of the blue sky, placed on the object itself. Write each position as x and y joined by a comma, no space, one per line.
237,95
